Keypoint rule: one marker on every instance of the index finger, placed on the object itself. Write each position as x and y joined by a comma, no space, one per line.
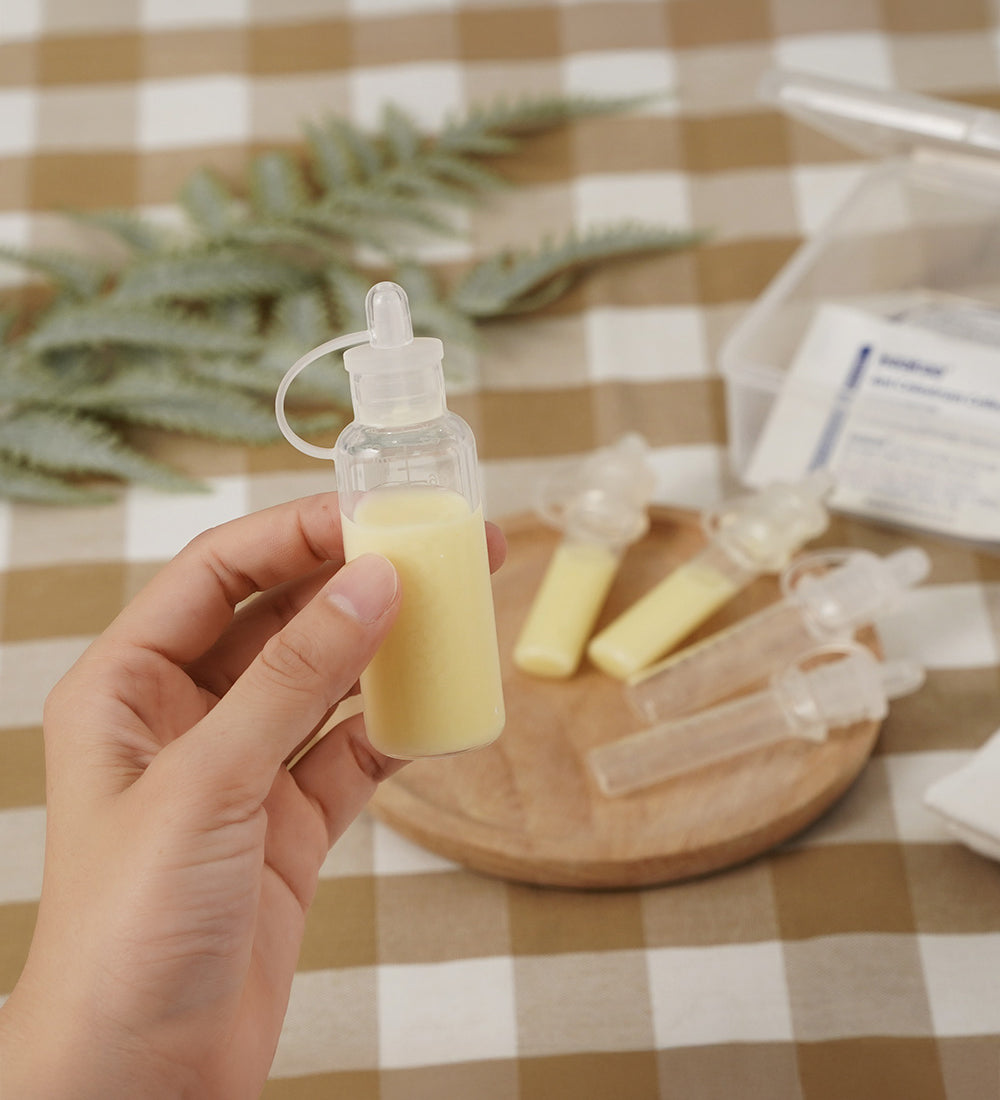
185,608
189,605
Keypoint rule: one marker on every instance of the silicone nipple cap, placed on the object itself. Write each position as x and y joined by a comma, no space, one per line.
843,589
605,496
856,687
387,310
396,378
764,529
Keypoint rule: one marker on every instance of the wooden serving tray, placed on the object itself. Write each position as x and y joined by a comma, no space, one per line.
527,808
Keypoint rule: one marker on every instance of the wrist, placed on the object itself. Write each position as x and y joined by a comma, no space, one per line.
62,1052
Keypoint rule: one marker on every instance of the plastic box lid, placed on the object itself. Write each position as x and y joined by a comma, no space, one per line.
886,123
915,233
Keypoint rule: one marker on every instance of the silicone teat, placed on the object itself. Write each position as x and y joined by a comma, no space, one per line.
856,588
604,498
763,530
396,378
387,310
855,688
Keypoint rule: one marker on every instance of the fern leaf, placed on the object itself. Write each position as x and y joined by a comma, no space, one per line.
332,157
342,154
134,326
401,135
471,140
513,282
277,185
304,317
68,443
531,115
298,238
324,383
366,153
209,203
77,276
327,219
126,227
430,315
347,292
168,398
237,314
221,273
21,482
23,379
465,172
382,203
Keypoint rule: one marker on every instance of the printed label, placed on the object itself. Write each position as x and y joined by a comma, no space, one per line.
907,418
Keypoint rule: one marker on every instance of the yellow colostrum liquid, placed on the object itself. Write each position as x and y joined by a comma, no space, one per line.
663,617
565,608
434,686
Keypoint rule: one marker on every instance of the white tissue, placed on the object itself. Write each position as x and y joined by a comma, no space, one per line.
969,800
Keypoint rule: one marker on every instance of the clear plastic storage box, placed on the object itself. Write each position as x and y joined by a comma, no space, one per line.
915,245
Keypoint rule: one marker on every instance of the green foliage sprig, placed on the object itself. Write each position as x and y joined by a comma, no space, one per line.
192,331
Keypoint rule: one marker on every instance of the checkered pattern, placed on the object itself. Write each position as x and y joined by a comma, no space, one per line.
860,960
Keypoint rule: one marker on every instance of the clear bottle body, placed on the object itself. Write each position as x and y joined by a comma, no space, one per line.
721,664
412,494
676,748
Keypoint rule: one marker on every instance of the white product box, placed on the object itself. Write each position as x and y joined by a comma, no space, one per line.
875,352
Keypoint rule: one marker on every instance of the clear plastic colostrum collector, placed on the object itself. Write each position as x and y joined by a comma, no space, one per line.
747,536
600,505
409,489
801,703
826,597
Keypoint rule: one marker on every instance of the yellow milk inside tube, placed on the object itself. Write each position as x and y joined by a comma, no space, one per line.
434,686
565,608
663,617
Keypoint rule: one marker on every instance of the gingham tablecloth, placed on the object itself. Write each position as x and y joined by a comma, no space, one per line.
859,961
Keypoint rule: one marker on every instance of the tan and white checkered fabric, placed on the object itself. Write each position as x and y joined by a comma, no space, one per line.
860,961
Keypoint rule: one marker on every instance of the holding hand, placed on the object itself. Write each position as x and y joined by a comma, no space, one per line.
181,852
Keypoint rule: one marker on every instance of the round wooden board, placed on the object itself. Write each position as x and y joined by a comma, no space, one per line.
526,808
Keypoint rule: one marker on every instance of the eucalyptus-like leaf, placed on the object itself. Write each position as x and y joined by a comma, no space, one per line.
402,137
277,185
338,225
207,275
134,326
24,378
462,171
516,281
534,114
398,199
304,316
364,149
77,276
170,397
209,202
291,238
194,329
54,440
21,482
333,160
259,376
127,227
347,289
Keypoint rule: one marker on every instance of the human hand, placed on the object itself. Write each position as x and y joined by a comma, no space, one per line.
181,852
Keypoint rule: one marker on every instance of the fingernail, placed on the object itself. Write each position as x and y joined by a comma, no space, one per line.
364,588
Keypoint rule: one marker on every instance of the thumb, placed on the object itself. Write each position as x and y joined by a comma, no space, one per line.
300,674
